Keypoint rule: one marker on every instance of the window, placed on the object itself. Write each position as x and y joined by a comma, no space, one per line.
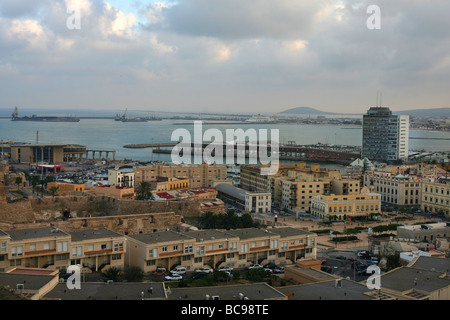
153,253
17,251
164,249
103,246
188,248
32,247
47,246
3,246
63,246
91,247
118,246
77,251
175,248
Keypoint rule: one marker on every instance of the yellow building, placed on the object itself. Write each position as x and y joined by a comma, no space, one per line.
343,206
64,187
163,184
436,196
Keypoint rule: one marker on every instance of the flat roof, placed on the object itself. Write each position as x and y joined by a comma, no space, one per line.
433,263
97,233
206,235
30,281
249,233
39,271
113,291
327,290
406,278
290,232
161,236
34,233
256,291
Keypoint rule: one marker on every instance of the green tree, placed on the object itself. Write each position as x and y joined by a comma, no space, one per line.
112,273
144,191
133,274
19,182
53,190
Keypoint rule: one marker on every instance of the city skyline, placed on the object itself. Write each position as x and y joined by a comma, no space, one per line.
223,56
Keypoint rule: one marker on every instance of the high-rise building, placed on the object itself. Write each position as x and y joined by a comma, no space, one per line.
385,136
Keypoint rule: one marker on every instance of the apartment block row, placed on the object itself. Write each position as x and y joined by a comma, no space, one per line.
49,247
294,186
218,248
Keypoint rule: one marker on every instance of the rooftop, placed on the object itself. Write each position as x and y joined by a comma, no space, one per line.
162,236
257,291
327,290
113,291
34,233
432,264
406,278
97,233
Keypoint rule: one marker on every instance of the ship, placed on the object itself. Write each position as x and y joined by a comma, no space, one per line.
261,119
15,117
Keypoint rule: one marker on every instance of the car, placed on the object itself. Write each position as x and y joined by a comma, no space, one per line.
324,261
268,270
179,270
341,257
228,269
270,265
255,266
371,263
173,277
160,270
278,270
204,270
358,265
198,275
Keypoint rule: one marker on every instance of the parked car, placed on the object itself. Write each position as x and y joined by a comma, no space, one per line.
160,270
268,270
254,266
179,270
204,270
173,277
229,269
371,263
198,275
341,257
278,270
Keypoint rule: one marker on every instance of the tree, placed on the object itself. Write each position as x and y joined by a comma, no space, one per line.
19,182
112,273
144,191
133,274
53,190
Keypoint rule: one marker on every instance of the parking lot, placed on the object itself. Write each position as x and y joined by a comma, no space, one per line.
340,263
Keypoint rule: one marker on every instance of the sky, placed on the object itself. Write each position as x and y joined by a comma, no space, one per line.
239,56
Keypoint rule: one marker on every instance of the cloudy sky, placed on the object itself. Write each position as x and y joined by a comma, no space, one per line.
224,55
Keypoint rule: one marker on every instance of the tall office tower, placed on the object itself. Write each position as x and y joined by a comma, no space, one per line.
385,136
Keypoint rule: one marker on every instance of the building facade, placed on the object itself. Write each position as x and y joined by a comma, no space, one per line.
218,248
121,178
345,206
436,196
199,175
395,190
385,136
53,248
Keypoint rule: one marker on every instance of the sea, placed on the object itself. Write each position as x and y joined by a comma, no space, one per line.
107,134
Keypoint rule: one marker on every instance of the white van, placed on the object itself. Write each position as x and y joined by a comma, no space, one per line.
179,270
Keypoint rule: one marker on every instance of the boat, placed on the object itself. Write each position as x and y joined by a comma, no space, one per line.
261,119
15,117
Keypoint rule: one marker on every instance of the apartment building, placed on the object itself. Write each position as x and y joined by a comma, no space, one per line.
436,196
163,184
65,187
395,190
385,136
217,248
294,185
53,248
342,206
199,175
122,177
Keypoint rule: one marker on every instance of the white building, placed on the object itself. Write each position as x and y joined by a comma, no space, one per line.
121,177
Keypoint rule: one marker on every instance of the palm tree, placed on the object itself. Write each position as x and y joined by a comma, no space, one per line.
18,182
53,190
144,191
